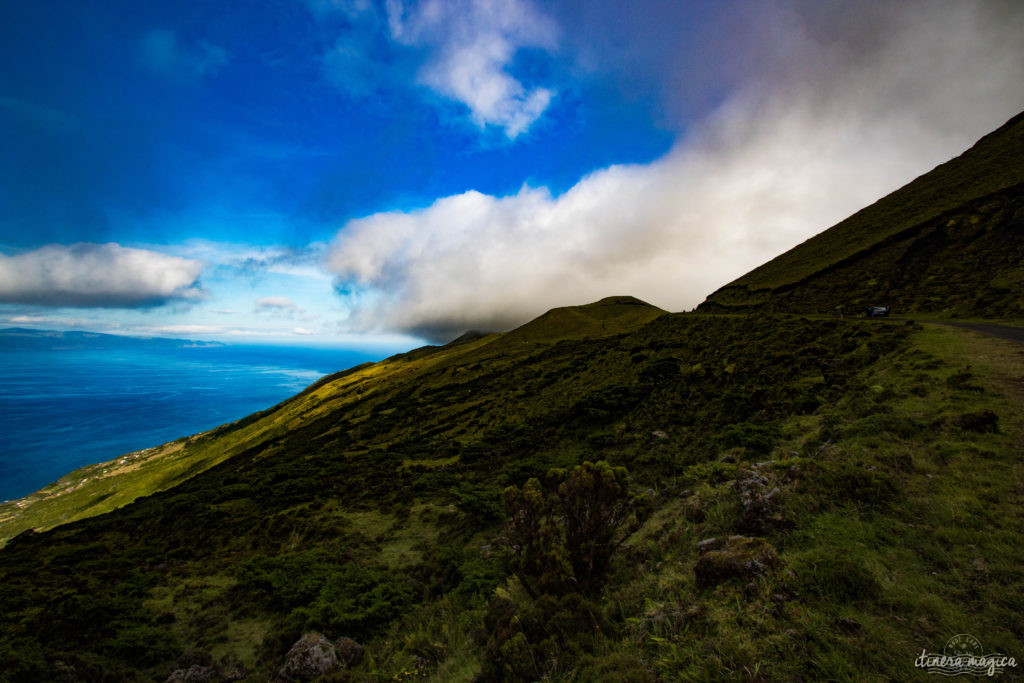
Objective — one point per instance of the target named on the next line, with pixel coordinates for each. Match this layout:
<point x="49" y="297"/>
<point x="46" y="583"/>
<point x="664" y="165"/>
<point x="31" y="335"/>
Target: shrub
<point x="562" y="533"/>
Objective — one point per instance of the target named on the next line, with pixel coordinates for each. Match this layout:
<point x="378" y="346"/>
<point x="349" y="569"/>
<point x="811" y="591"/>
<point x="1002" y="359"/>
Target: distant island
<point x="24" y="339"/>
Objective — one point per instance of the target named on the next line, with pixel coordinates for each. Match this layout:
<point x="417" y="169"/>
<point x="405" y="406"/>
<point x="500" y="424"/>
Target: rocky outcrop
<point x="198" y="666"/>
<point x="759" y="499"/>
<point x="195" y="674"/>
<point x="724" y="558"/>
<point x="313" y="656"/>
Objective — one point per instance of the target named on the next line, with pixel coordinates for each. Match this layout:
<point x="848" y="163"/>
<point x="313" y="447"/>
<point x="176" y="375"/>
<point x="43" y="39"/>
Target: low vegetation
<point x="473" y="516"/>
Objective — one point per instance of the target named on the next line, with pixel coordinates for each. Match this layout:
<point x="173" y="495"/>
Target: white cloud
<point x="275" y="303"/>
<point x="302" y="331"/>
<point x="60" y="322"/>
<point x="164" y="53"/>
<point x="471" y="46"/>
<point x="303" y="262"/>
<point x="792" y="153"/>
<point x="103" y="275"/>
<point x="471" y="67"/>
<point x="179" y="329"/>
<point x="283" y="307"/>
<point x="250" y="333"/>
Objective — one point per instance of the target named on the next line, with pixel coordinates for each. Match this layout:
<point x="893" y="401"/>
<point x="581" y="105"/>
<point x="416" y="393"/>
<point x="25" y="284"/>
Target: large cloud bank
<point x="105" y="275"/>
<point x="827" y="125"/>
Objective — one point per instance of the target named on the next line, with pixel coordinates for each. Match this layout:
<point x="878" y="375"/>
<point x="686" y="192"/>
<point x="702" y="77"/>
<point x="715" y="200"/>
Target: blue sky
<point x="351" y="172"/>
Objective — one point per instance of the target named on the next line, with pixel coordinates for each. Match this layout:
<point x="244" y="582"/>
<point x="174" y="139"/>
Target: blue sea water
<point x="60" y="410"/>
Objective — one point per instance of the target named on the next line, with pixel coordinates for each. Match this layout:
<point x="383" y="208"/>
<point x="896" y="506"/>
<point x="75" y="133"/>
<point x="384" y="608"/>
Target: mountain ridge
<point x="990" y="168"/>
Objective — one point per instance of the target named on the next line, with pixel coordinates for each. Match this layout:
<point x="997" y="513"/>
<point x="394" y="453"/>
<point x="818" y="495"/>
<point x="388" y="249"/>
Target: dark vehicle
<point x="876" y="312"/>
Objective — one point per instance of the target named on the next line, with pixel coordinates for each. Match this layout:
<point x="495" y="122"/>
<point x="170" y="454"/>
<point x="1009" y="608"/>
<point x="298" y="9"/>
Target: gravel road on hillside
<point x="1015" y="334"/>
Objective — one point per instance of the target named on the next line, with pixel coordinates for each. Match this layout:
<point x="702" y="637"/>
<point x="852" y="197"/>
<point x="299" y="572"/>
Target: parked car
<point x="876" y="312"/>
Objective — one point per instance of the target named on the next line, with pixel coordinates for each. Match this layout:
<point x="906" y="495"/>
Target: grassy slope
<point x="374" y="515"/>
<point x="966" y="262"/>
<point x="992" y="165"/>
<point x="903" y="532"/>
<point x="97" y="489"/>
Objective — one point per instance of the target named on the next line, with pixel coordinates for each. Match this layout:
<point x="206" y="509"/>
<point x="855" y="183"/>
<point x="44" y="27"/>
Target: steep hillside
<point x="371" y="506"/>
<point x="97" y="489"/>
<point x="950" y="241"/>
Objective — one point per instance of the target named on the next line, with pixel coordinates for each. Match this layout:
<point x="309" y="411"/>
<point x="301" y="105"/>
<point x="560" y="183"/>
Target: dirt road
<point x="1010" y="332"/>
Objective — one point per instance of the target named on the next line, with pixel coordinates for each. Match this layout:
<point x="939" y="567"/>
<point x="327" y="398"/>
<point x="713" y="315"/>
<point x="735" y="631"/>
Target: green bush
<point x="562" y="533"/>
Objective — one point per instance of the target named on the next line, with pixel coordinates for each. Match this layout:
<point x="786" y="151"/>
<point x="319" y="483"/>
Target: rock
<point x="348" y="651"/>
<point x="749" y="479"/>
<point x="659" y="435"/>
<point x="708" y="544"/>
<point x="732" y="557"/>
<point x="232" y="669"/>
<point x="823" y="447"/>
<point x="758" y="505"/>
<point x="198" y="666"/>
<point x="311" y="656"/>
<point x="195" y="674"/>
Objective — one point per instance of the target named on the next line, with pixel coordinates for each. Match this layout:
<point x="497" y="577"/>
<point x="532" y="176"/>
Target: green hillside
<point x="371" y="506"/>
<point x="608" y="316"/>
<point x="908" y="247"/>
<point x="96" y="489"/>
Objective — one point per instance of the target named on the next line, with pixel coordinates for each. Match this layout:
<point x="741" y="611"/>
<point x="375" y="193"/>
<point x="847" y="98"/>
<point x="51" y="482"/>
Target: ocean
<point x="60" y="410"/>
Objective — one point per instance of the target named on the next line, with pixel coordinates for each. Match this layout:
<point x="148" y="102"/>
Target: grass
<point x="905" y="570"/>
<point x="369" y="506"/>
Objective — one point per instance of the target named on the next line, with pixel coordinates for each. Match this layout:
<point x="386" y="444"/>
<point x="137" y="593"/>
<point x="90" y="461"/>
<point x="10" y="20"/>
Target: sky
<point x="359" y="173"/>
